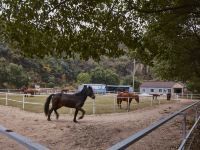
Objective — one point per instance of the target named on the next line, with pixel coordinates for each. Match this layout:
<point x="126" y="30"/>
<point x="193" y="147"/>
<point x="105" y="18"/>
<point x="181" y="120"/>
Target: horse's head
<point x="90" y="92"/>
<point x="23" y="88"/>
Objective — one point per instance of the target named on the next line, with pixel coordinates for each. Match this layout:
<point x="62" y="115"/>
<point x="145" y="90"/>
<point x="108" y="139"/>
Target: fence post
<point x="23" y="100"/>
<point x="196" y="113"/>
<point x="114" y="104"/>
<point x="6" y="99"/>
<point x="191" y="96"/>
<point x="177" y="97"/>
<point x="94" y="107"/>
<point x="151" y="101"/>
<point x="184" y="125"/>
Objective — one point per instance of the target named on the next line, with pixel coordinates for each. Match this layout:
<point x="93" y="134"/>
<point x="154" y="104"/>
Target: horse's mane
<point x="82" y="92"/>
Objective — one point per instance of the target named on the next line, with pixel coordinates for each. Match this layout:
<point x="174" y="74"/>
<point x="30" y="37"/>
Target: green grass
<point x="103" y="104"/>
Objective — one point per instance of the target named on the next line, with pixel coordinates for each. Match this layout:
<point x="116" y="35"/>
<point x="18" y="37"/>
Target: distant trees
<point x="104" y="76"/>
<point x="83" y="78"/>
<point x="51" y="72"/>
<point x="12" y="75"/>
<point x="128" y="80"/>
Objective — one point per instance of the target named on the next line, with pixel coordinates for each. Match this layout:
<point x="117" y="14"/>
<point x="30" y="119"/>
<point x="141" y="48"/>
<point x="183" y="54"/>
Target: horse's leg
<point x="83" y="113"/>
<point x="49" y="114"/>
<point x="75" y="114"/>
<point x="120" y="104"/>
<point x="57" y="114"/>
<point x="129" y="104"/>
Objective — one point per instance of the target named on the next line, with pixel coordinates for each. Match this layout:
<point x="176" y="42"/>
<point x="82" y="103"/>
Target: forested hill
<point x="16" y="71"/>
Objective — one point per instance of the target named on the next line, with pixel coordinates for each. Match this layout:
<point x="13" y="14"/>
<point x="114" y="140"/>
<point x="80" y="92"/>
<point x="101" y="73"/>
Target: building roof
<point x="159" y="84"/>
<point x="118" y="85"/>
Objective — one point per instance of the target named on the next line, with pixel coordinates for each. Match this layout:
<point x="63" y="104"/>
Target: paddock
<point x="96" y="131"/>
<point x="103" y="104"/>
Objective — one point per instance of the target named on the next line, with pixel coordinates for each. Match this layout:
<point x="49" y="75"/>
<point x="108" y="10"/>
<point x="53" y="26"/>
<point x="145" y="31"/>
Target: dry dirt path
<point x="94" y="131"/>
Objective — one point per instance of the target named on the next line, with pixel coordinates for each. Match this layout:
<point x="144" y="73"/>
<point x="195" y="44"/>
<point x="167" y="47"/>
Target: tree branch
<point x="150" y="11"/>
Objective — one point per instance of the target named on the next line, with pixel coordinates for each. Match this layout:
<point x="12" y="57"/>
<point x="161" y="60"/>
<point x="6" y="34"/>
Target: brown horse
<point x="155" y="96"/>
<point x="26" y="90"/>
<point x="125" y="96"/>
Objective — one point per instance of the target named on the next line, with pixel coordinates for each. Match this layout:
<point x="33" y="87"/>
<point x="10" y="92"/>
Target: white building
<point x="161" y="87"/>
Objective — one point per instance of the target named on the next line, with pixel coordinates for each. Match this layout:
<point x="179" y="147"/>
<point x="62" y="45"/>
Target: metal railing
<point x="137" y="136"/>
<point x="22" y="139"/>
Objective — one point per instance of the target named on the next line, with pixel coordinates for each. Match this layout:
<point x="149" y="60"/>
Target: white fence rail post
<point x="6" y="99"/>
<point x="94" y="107"/>
<point x="23" y="100"/>
<point x="114" y="104"/>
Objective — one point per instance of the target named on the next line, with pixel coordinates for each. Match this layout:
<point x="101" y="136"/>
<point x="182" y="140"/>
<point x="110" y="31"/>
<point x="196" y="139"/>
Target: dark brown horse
<point x="76" y="101"/>
<point x="155" y="96"/>
<point x="125" y="96"/>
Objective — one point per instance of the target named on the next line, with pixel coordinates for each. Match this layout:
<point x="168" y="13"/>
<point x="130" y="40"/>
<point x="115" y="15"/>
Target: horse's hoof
<point x="75" y="121"/>
<point x="81" y="117"/>
<point x="49" y="119"/>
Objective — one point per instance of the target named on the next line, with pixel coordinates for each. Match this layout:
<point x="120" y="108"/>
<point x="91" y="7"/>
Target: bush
<point x="83" y="78"/>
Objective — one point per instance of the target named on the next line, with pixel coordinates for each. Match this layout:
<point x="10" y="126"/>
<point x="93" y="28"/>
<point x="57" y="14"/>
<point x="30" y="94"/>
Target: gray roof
<point x="158" y="84"/>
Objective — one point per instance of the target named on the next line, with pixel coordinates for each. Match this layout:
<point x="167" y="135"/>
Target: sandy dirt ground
<point x="93" y="131"/>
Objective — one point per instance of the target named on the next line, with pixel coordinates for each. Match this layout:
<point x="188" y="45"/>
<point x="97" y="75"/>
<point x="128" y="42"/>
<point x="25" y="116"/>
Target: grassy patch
<point x="102" y="103"/>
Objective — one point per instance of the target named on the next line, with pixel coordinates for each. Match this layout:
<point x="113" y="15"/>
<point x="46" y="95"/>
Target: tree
<point x="12" y="75"/>
<point x="171" y="42"/>
<point x="90" y="28"/>
<point x="155" y="31"/>
<point x="83" y="78"/>
<point x="104" y="76"/>
<point x="128" y="80"/>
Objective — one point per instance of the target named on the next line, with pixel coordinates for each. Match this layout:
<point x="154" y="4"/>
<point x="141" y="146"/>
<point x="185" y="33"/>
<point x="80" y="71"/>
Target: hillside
<point x="17" y="70"/>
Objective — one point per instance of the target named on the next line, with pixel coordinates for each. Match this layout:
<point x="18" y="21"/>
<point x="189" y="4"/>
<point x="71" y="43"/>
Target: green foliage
<point x="104" y="76"/>
<point x="51" y="85"/>
<point x="171" y="40"/>
<point x="164" y="34"/>
<point x="128" y="80"/>
<point x="194" y="85"/>
<point x="12" y="75"/>
<point x="64" y="28"/>
<point x="83" y="78"/>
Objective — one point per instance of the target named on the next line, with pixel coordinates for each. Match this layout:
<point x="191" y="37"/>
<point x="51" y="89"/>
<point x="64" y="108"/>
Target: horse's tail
<point x="46" y="105"/>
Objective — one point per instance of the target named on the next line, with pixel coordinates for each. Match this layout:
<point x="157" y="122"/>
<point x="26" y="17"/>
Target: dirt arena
<point x="93" y="131"/>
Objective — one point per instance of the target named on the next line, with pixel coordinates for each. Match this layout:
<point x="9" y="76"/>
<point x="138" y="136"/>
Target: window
<point x="143" y="90"/>
<point x="169" y="90"/>
<point x="164" y="91"/>
<point x="160" y="90"/>
<point x="152" y="90"/>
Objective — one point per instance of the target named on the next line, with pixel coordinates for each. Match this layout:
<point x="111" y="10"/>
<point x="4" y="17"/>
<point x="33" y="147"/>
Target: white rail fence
<point x="10" y="97"/>
<point x="94" y="105"/>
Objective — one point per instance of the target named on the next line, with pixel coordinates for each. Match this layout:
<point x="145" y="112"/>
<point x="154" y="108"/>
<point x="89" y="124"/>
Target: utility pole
<point x="133" y="74"/>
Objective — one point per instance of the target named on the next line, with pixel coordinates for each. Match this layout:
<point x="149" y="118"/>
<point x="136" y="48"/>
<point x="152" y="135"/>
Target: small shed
<point x="97" y="88"/>
<point x="162" y="87"/>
